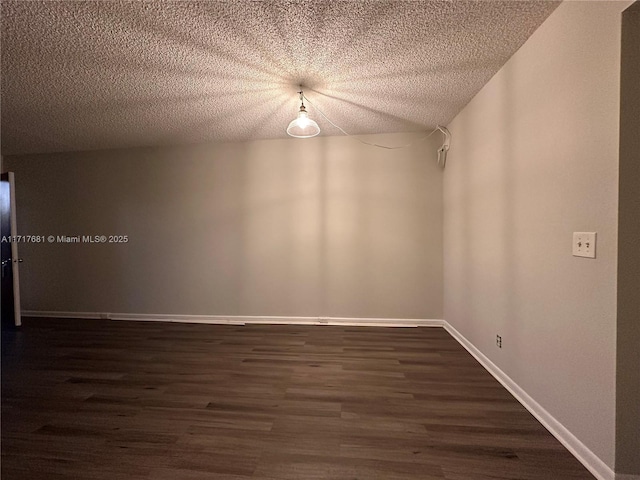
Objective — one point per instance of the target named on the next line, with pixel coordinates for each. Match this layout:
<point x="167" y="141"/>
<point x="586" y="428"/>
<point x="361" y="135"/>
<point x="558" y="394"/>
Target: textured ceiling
<point x="106" y="74"/>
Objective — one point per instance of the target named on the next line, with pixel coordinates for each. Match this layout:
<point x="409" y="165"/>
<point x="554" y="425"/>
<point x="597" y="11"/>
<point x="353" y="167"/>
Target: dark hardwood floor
<point x="99" y="399"/>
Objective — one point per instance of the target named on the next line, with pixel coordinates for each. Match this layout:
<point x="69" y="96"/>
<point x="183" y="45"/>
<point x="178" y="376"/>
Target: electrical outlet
<point x="498" y="341"/>
<point x="584" y="244"/>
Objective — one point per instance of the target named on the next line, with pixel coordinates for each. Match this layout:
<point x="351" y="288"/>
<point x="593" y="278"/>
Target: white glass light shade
<point x="303" y="126"/>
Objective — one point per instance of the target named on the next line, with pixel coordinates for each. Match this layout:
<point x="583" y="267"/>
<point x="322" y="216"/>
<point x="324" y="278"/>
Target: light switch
<point x="584" y="244"/>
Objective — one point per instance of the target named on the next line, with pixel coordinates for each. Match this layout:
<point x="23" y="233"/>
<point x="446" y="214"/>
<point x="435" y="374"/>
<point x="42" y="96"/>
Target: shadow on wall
<point x="628" y="324"/>
<point x="320" y="227"/>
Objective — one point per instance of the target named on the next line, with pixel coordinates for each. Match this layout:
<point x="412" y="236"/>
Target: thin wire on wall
<point x="442" y="151"/>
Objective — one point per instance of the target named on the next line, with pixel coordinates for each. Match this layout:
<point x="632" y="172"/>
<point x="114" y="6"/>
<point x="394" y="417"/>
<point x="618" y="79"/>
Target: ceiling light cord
<point x="442" y="151"/>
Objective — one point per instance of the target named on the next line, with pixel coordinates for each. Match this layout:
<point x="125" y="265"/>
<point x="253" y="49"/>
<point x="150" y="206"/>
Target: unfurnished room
<point x="320" y="240"/>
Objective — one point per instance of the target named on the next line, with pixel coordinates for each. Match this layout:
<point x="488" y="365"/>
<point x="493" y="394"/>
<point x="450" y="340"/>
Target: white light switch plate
<point x="584" y="244"/>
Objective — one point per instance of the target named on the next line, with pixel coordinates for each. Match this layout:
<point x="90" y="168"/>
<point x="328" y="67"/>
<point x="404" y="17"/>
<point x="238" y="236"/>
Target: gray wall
<point x="535" y="158"/>
<point x="628" y="351"/>
<point x="317" y="227"/>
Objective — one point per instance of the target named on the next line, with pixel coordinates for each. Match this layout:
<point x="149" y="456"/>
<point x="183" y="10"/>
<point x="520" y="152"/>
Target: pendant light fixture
<point x="303" y="126"/>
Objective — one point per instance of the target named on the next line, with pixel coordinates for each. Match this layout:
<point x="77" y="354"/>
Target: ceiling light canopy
<point x="303" y="126"/>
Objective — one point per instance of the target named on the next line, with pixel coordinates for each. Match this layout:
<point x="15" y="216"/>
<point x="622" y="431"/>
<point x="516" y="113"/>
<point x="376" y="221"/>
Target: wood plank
<point x="94" y="399"/>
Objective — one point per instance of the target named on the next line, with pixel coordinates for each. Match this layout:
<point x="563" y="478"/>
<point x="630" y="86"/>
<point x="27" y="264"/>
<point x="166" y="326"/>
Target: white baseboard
<point x="579" y="450"/>
<point x="243" y="320"/>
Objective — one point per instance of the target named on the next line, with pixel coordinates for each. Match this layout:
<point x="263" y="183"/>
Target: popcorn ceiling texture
<point x="108" y="74"/>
